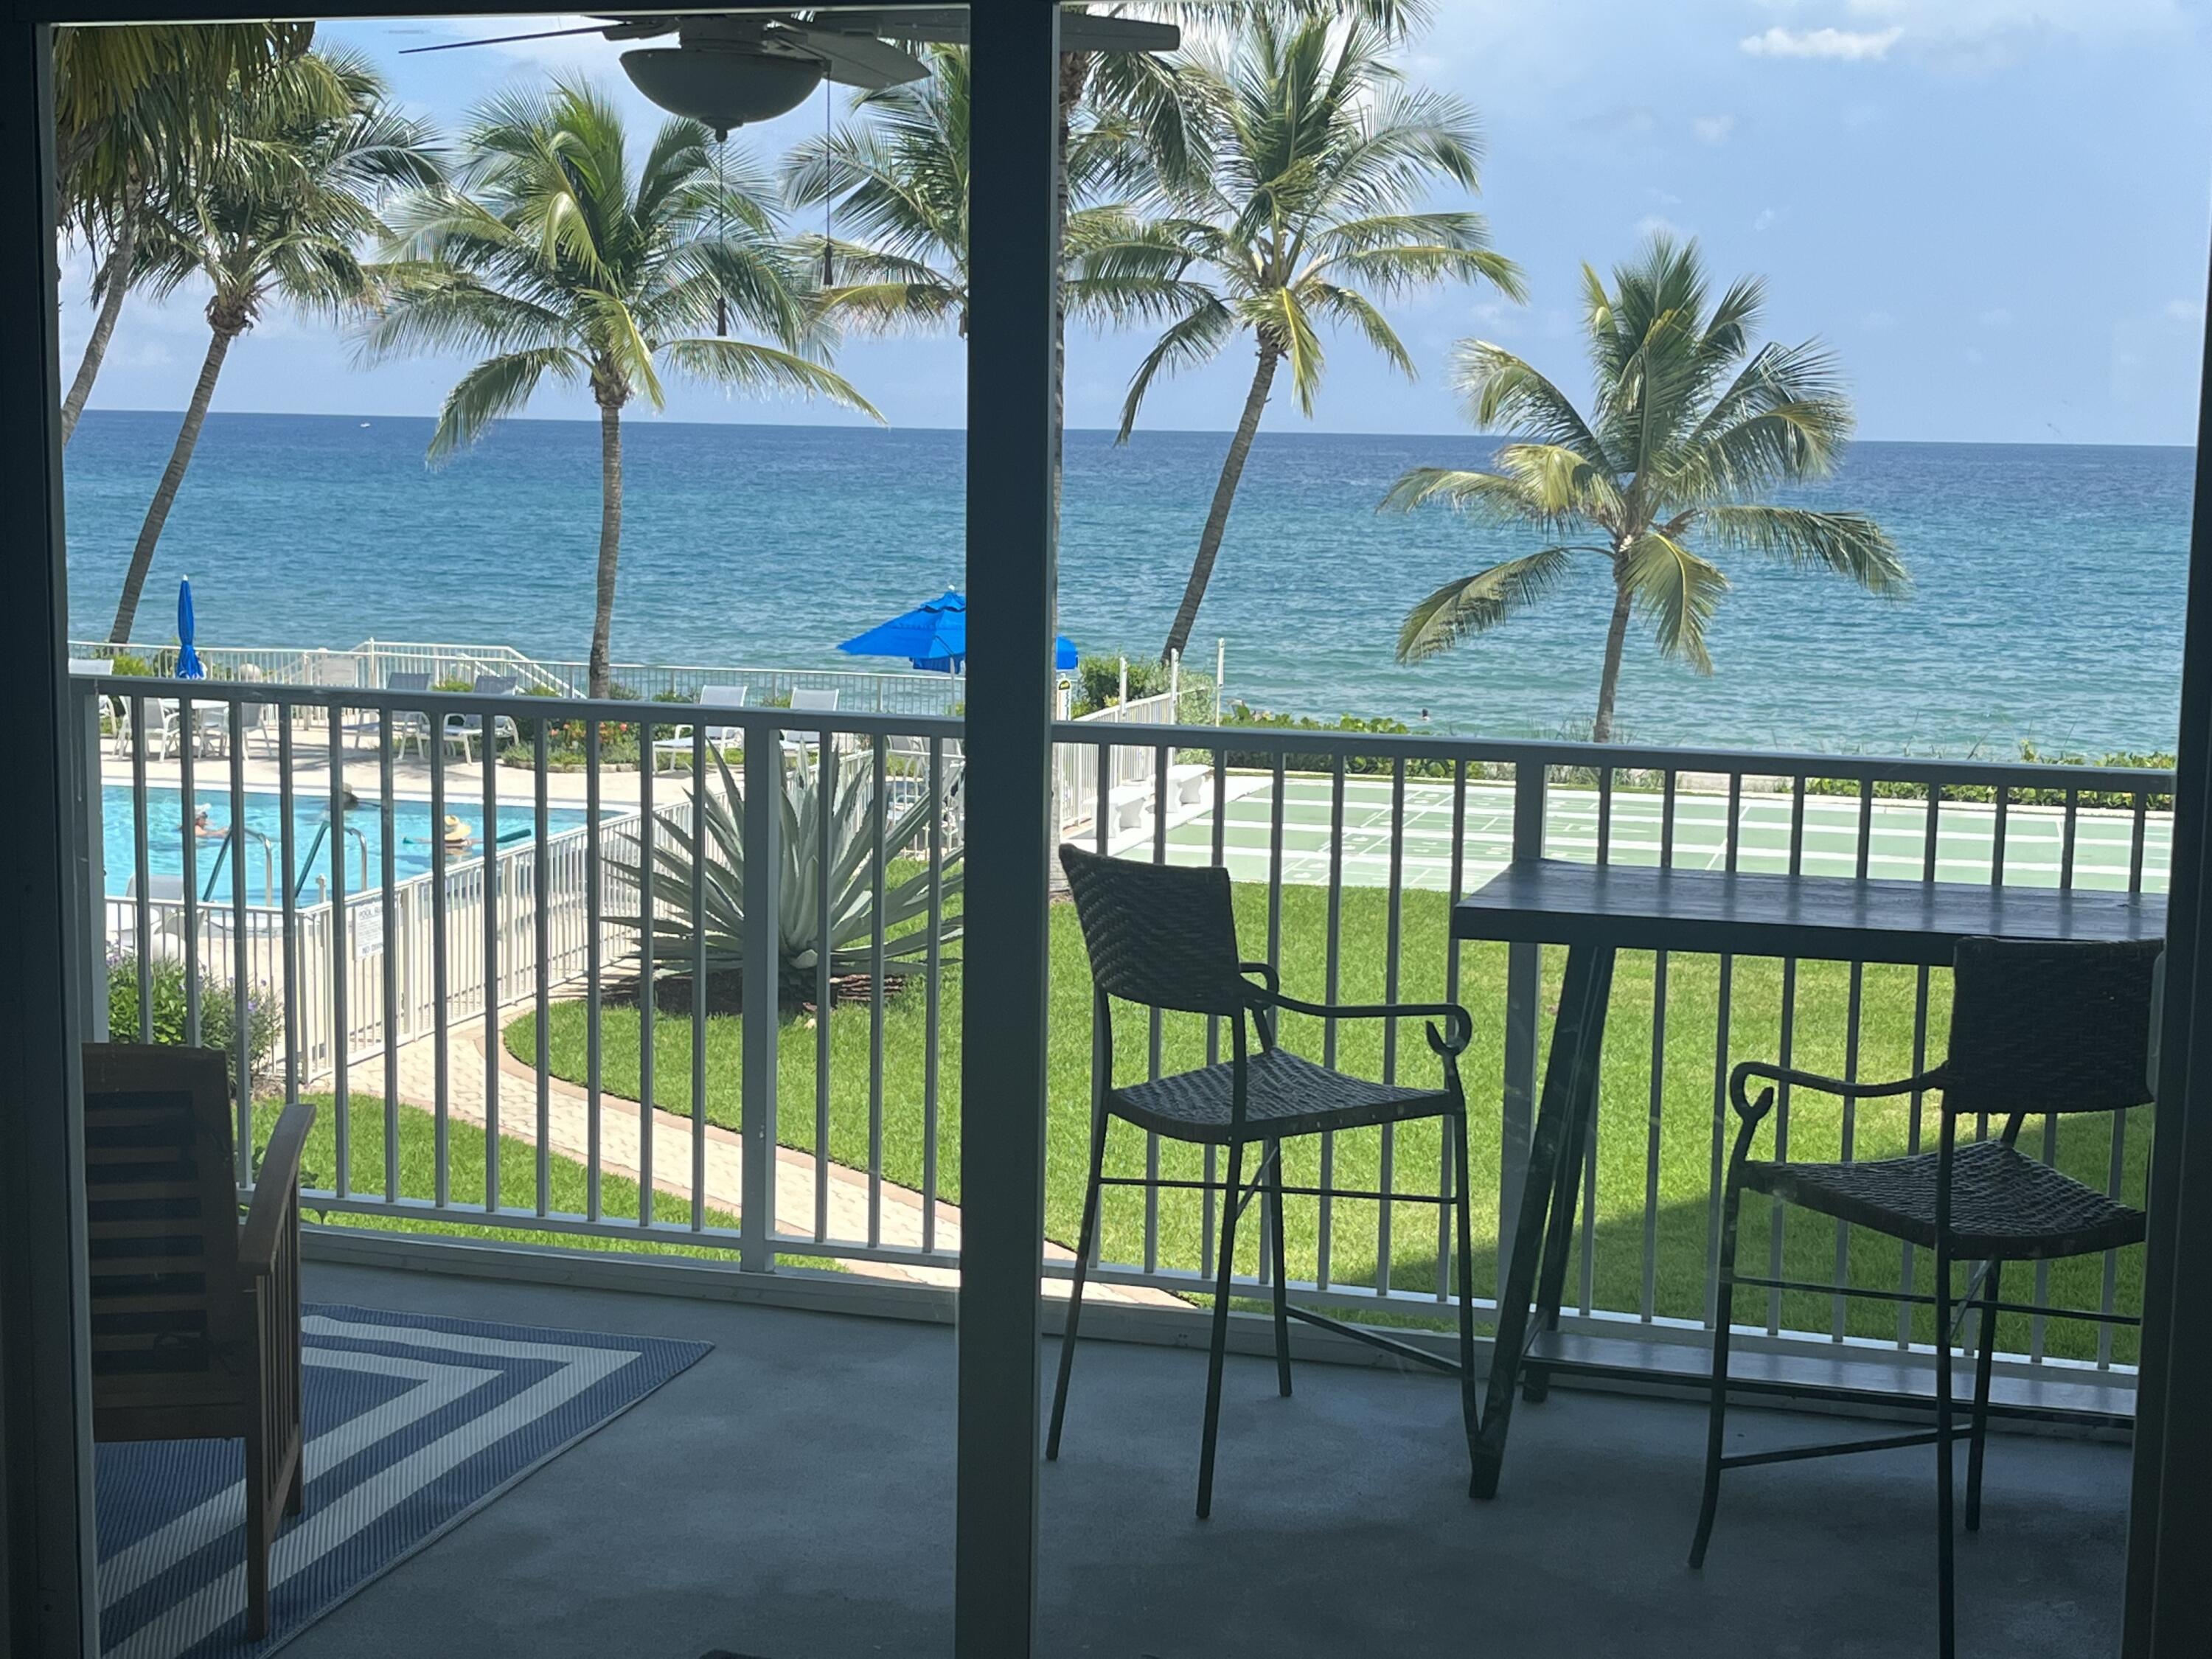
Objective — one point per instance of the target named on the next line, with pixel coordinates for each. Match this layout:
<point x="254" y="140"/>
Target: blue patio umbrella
<point x="189" y="666"/>
<point x="934" y="637"/>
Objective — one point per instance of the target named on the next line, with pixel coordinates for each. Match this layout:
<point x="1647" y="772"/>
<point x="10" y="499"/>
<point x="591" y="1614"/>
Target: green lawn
<point x="1685" y="1127"/>
<point x="566" y="1186"/>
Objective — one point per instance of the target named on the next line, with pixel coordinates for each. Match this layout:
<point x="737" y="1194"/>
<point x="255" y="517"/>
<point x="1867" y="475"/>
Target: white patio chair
<point x="409" y="725"/>
<point x="466" y="729"/>
<point x="807" y="699"/>
<point x="719" y="738"/>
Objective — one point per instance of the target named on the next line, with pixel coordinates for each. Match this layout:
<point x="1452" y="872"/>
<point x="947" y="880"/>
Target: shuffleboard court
<point x="2111" y="849"/>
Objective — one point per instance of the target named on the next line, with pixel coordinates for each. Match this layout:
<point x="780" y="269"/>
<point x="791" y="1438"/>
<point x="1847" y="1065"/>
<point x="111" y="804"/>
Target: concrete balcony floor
<point x="791" y="1497"/>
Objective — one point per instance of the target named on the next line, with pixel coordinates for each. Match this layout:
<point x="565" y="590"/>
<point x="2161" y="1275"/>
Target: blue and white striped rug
<point x="412" y="1423"/>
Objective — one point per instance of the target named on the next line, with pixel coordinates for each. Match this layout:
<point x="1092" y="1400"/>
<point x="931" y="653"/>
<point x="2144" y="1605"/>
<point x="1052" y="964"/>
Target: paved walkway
<point x="622" y="1153"/>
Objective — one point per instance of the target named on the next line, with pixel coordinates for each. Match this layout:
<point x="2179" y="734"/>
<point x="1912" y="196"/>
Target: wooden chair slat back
<point x="162" y="1213"/>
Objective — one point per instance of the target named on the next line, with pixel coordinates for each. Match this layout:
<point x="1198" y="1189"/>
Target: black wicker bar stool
<point x="2036" y="1029"/>
<point x="1164" y="936"/>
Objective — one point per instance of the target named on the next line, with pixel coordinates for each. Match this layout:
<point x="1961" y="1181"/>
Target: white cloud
<point x="1765" y="219"/>
<point x="1652" y="224"/>
<point x="1713" y="129"/>
<point x="1846" y="45"/>
<point x="1878" y="322"/>
<point x="1997" y="317"/>
<point x="2185" y="311"/>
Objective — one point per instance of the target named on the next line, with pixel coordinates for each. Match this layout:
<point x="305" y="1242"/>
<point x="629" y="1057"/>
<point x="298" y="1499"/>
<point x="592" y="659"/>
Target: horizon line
<point x="1306" y="431"/>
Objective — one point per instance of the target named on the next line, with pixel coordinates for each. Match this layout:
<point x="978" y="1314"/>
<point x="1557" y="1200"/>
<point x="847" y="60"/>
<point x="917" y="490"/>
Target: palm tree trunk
<point x="611" y="499"/>
<point x="172" y="478"/>
<point x="1224" y="496"/>
<point x="1609" y="683"/>
<point x="114" y="283"/>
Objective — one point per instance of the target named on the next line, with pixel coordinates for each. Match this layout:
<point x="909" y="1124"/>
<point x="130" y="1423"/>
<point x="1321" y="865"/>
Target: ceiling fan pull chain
<point x="828" y="194"/>
<point x="721" y="235"/>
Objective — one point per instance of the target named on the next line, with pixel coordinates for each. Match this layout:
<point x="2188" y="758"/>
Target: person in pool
<point x="457" y="835"/>
<point x="204" y="829"/>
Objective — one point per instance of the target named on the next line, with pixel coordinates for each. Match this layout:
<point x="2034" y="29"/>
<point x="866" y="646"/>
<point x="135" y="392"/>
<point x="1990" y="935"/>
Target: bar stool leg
<point x="1083" y="1247"/>
<point x="1274" y="1160"/>
<point x="1716" y="1418"/>
<point x="1978" y="1428"/>
<point x="1227" y="1267"/>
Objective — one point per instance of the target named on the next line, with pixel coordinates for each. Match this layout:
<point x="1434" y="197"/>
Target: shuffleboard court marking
<point x="1896" y="834"/>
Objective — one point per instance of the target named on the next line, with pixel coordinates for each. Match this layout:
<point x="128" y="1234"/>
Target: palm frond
<point x="1676" y="591"/>
<point x="745" y="366"/>
<point x="495" y="388"/>
<point x="1848" y="545"/>
<point x="1475" y="603"/>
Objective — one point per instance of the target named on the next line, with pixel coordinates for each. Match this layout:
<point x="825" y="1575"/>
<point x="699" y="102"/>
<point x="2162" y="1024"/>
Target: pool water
<point x="363" y="833"/>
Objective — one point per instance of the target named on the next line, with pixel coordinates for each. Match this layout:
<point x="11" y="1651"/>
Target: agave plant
<point x="843" y="792"/>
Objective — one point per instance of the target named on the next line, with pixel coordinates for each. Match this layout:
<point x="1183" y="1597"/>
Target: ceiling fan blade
<point x="851" y="59"/>
<point x="1090" y="30"/>
<point x="941" y="26"/>
<point x="503" y="39"/>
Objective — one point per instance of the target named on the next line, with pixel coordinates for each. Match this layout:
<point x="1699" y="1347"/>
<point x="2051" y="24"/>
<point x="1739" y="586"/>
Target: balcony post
<point x="763" y="824"/>
<point x="1013" y="448"/>
<point x="1524" y="974"/>
<point x="47" y="1594"/>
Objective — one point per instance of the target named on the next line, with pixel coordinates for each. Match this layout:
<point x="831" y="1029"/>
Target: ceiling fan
<point x="727" y="69"/>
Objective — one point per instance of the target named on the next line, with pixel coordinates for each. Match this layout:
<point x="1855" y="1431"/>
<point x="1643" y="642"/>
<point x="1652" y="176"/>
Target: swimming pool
<point x="363" y="834"/>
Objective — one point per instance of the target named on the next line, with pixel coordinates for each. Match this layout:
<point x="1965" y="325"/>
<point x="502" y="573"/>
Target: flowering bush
<point x="218" y="1015"/>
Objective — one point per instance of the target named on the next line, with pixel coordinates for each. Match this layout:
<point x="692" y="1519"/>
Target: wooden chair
<point x="195" y="1315"/>
<point x="2037" y="1030"/>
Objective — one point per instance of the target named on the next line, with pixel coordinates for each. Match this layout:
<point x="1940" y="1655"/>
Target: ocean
<point x="2046" y="607"/>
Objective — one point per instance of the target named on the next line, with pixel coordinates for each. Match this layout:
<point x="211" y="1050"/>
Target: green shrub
<point x="1098" y="685"/>
<point x="127" y="663"/>
<point x="2124" y="801"/>
<point x="218" y="1015"/>
<point x="1243" y="714"/>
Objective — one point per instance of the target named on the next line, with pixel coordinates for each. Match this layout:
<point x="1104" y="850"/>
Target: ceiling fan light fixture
<point x="721" y="90"/>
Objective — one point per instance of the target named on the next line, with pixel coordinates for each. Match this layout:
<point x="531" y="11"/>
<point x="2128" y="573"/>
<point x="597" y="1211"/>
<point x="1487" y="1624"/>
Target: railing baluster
<point x="931" y="1009"/>
<point x="1648" y="1295"/>
<point x="387" y="826"/>
<point x="441" y="975"/>
<point x="188" y="733"/>
<point x="1930" y="854"/>
<point x="1838" y="1306"/>
<point x="594" y="854"/>
<point x="341" y="1025"/>
<point x="541" y="878"/>
<point x="1153" y="1046"/>
<point x="241" y="972"/>
<point x="1731" y="838"/>
<point x="1395" y="932"/>
<point x="1784" y="1050"/>
<point x="828" y="777"/>
<point x="1213" y="1021"/>
<point x="142" y="919"/>
<point x="879" y="785"/>
<point x="697" y="919"/>
<point x="1446" y="1173"/>
<point x="1325" y="1229"/>
<point x="648" y="957"/>
<point x="488" y="862"/>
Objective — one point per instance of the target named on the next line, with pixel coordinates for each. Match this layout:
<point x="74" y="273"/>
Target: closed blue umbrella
<point x="189" y="665"/>
<point x="934" y="637"/>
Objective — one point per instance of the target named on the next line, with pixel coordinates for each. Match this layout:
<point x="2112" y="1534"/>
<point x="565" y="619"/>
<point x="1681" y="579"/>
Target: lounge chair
<point x="807" y="699"/>
<point x="719" y="738"/>
<point x="466" y="729"/>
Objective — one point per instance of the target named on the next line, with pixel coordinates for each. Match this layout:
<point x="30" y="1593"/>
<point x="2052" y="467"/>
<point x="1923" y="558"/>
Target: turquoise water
<point x="2047" y="603"/>
<point x="265" y="822"/>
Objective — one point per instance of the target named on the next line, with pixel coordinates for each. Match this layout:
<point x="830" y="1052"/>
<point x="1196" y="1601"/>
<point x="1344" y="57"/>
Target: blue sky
<point x="1994" y="210"/>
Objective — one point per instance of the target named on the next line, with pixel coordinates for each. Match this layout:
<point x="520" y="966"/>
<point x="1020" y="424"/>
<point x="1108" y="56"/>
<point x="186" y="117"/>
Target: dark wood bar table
<point x="1596" y="911"/>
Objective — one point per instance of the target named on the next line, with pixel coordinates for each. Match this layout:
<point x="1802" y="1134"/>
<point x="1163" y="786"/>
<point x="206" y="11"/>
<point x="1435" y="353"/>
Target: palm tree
<point x="281" y="213"/>
<point x="551" y="253"/>
<point x="138" y="110"/>
<point x="1691" y="428"/>
<point x="1320" y="157"/>
<point x="898" y="181"/>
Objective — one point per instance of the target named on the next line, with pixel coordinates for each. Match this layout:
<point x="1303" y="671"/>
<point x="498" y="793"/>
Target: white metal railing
<point x="1346" y="851"/>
